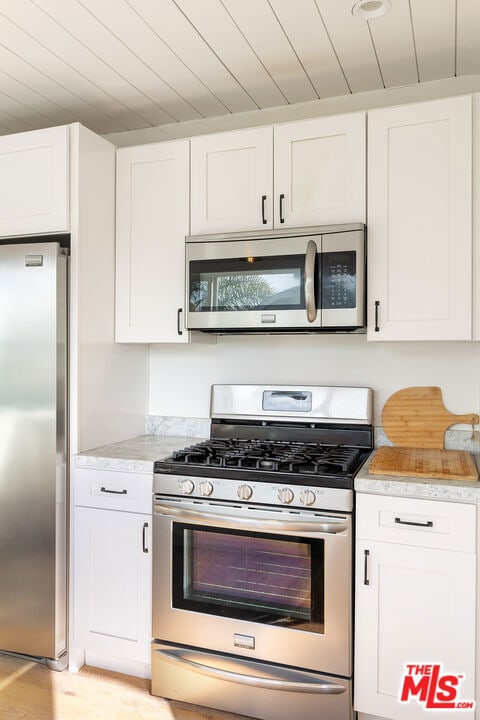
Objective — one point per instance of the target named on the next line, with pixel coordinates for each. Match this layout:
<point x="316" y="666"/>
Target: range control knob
<point x="307" y="497"/>
<point x="244" y="492"/>
<point x="187" y="487"/>
<point x="285" y="495"/>
<point x="206" y="488"/>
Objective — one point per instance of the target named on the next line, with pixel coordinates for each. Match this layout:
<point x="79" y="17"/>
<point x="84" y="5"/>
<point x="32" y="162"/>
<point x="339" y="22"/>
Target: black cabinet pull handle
<point x="264" y="219"/>
<point x="366" y="554"/>
<point x="179" y="324"/>
<point x="377" y="303"/>
<point x="429" y="523"/>
<point x="144" y="538"/>
<point x="282" y="198"/>
<point x="113" y="492"/>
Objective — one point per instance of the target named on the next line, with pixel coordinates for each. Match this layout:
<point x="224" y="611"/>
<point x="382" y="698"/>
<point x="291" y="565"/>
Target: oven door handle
<point x="264" y="525"/>
<point x="274" y="680"/>
<point x="310" y="257"/>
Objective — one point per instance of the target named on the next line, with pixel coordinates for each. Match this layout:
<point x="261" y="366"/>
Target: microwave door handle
<point x="310" y="304"/>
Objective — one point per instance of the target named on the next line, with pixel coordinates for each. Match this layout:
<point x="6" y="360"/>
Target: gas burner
<point x="272" y="456"/>
<point x="267" y="464"/>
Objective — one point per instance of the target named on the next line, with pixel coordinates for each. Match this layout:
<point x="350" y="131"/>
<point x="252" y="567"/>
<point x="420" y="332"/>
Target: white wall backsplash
<point x="180" y="376"/>
<point x="177" y="426"/>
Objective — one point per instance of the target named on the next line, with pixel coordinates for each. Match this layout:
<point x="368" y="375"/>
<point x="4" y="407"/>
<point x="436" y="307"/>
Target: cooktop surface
<point x="261" y="460"/>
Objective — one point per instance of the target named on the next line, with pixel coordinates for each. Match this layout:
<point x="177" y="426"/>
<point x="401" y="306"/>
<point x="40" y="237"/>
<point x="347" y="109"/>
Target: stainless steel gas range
<point x="252" y="554"/>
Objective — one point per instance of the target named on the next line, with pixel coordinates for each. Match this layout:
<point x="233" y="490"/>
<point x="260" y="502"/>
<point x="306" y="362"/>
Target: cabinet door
<point x="112" y="583"/>
<point x="34" y="182"/>
<point x="320" y="172"/>
<point x="419" y="221"/>
<point x="152" y="222"/>
<point x="232" y="181"/>
<point x="418" y="608"/>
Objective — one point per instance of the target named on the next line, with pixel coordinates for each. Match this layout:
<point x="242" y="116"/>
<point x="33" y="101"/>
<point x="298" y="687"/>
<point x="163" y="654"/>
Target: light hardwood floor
<point x="29" y="691"/>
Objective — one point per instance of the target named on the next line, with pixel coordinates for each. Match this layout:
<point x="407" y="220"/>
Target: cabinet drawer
<point x="425" y="523"/>
<point x="112" y="490"/>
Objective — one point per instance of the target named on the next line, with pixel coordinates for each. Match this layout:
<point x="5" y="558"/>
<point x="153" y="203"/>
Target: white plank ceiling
<point x="118" y="65"/>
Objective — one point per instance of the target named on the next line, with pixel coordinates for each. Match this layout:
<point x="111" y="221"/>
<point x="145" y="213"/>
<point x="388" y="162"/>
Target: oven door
<point x="272" y="585"/>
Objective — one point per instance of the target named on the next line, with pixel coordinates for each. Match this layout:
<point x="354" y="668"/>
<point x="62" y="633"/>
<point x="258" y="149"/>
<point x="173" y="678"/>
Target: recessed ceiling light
<point x="371" y="9"/>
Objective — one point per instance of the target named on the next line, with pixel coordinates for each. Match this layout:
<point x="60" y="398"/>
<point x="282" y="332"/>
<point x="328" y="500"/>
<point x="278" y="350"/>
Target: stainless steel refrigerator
<point x="33" y="450"/>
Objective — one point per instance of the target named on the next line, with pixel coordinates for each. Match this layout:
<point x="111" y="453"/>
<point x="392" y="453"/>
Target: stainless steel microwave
<point x="292" y="280"/>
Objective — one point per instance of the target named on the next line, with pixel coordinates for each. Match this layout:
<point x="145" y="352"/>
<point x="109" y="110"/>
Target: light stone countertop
<point x="139" y="453"/>
<point x="134" y="455"/>
<point x="428" y="488"/>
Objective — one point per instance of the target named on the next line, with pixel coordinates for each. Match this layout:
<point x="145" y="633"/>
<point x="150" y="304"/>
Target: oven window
<point x="264" y="578"/>
<point x="247" y="283"/>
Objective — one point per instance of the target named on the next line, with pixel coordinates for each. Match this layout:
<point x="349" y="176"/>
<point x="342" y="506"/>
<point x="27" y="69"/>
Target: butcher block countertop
<point x="416" y="487"/>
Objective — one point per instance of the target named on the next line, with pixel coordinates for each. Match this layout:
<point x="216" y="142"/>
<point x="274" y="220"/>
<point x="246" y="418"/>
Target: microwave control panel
<point x="339" y="279"/>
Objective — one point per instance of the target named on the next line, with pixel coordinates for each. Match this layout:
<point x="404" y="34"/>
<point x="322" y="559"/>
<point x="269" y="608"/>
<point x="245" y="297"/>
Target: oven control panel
<point x="265" y="493"/>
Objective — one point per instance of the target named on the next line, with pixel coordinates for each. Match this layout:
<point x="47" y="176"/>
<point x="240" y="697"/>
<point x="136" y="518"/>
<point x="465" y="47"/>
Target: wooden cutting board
<point x="424" y="462"/>
<point x="416" y="417"/>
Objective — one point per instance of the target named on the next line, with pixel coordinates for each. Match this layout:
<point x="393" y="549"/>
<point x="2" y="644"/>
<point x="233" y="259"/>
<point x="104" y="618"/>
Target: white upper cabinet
<point x="34" y="171"/>
<point x="152" y="222"/>
<point x="420" y="221"/>
<point x="232" y="181"/>
<point x="296" y="174"/>
<point x="320" y="172"/>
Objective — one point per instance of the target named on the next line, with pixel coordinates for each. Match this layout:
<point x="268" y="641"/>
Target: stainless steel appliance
<point x="295" y="280"/>
<point x="33" y="404"/>
<point x="252" y="554"/>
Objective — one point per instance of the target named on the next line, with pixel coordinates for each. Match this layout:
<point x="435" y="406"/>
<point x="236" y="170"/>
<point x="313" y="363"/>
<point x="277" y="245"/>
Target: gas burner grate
<point x="271" y="456"/>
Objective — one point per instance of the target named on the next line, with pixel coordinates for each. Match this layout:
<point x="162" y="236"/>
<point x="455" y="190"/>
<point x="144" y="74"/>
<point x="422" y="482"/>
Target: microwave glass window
<point x="338" y="280"/>
<point x="249" y="576"/>
<point x="247" y="283"/>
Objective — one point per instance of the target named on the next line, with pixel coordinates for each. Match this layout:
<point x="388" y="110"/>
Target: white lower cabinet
<point x="112" y="583"/>
<point x="415" y="606"/>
